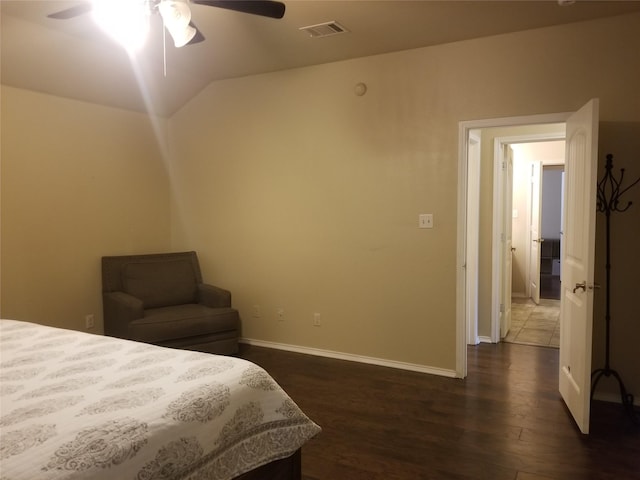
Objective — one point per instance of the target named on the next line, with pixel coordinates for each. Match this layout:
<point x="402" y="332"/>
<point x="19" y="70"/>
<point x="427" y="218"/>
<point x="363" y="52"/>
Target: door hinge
<point x="502" y="308"/>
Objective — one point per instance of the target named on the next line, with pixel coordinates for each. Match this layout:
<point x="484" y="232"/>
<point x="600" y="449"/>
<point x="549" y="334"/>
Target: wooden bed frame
<point x="289" y="468"/>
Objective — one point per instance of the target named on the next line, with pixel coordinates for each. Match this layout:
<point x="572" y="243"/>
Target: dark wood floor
<point x="505" y="421"/>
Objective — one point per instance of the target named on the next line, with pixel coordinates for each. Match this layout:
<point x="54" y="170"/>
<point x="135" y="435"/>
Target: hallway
<point x="533" y="324"/>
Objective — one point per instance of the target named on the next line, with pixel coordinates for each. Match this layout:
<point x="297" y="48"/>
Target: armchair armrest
<point x="212" y="296"/>
<point x="120" y="308"/>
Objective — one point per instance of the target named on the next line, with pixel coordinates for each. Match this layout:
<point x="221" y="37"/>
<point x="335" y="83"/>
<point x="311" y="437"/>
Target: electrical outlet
<point x="256" y="311"/>
<point x="316" y="320"/>
<point x="89" y="321"/>
<point x="280" y="314"/>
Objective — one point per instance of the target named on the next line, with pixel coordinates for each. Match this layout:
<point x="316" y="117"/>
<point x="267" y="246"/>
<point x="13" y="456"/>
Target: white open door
<point x="576" y="302"/>
<point x="507" y="235"/>
<point x="535" y="228"/>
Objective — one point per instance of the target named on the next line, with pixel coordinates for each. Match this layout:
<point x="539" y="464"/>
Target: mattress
<point x="75" y="405"/>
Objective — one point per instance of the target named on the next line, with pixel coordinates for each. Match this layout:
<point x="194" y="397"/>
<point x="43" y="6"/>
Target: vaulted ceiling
<point x="73" y="58"/>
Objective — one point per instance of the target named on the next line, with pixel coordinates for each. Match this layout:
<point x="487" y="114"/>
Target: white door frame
<point x="462" y="296"/>
<point x="473" y="234"/>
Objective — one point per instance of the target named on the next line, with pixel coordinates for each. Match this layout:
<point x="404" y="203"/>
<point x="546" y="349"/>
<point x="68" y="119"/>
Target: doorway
<point x="552" y="200"/>
<point x="489" y="188"/>
<point x="535" y="292"/>
<point x="529" y="128"/>
<point x="578" y="252"/>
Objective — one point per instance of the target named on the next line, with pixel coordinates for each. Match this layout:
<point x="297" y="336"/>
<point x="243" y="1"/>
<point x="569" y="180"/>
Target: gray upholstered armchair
<point x="160" y="299"/>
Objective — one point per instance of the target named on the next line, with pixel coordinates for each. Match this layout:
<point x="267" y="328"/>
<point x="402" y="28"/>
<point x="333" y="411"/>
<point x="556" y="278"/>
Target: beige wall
<point x="301" y="195"/>
<point x="78" y="181"/>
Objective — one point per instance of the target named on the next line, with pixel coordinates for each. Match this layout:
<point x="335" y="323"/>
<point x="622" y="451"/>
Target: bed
<point x="75" y="405"/>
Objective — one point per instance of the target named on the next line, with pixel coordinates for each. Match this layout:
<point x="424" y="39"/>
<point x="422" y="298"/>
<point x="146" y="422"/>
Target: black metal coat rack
<point x="610" y="191"/>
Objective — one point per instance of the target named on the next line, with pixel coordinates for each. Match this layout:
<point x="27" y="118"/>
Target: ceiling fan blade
<point x="264" y="8"/>
<point x="198" y="37"/>
<point x="74" y="11"/>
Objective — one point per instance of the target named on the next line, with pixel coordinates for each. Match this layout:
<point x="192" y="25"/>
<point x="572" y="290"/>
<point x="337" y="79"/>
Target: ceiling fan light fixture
<point x="176" y="16"/>
<point x="125" y="21"/>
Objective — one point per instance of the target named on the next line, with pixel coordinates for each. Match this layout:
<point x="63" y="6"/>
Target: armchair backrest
<point x="159" y="280"/>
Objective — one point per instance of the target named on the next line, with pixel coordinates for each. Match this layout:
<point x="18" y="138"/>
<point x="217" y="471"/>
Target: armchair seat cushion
<point x="182" y="321"/>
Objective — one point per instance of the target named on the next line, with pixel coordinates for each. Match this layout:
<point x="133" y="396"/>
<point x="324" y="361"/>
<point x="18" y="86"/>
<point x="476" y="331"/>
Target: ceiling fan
<point x="176" y="14"/>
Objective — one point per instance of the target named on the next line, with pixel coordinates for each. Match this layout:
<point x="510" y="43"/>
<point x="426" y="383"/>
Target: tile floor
<point x="533" y="324"/>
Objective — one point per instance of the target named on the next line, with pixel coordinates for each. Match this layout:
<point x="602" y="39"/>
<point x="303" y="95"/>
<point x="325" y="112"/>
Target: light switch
<point x="425" y="220"/>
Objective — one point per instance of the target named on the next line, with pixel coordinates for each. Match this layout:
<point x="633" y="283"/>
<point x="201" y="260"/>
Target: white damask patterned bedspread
<point x="79" y="406"/>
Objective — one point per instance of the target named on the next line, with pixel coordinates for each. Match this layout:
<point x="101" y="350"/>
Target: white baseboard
<point x="351" y="357"/>
<point x="485" y="339"/>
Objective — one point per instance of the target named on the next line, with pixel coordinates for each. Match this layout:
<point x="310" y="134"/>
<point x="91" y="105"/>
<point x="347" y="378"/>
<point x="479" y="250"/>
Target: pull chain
<point x="164" y="48"/>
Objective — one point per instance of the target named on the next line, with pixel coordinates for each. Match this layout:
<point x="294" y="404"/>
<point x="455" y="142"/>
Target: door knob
<point x="582" y="285"/>
<point x="538" y="240"/>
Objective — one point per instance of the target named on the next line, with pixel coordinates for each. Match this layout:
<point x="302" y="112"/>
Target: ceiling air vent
<point x="324" y="29"/>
